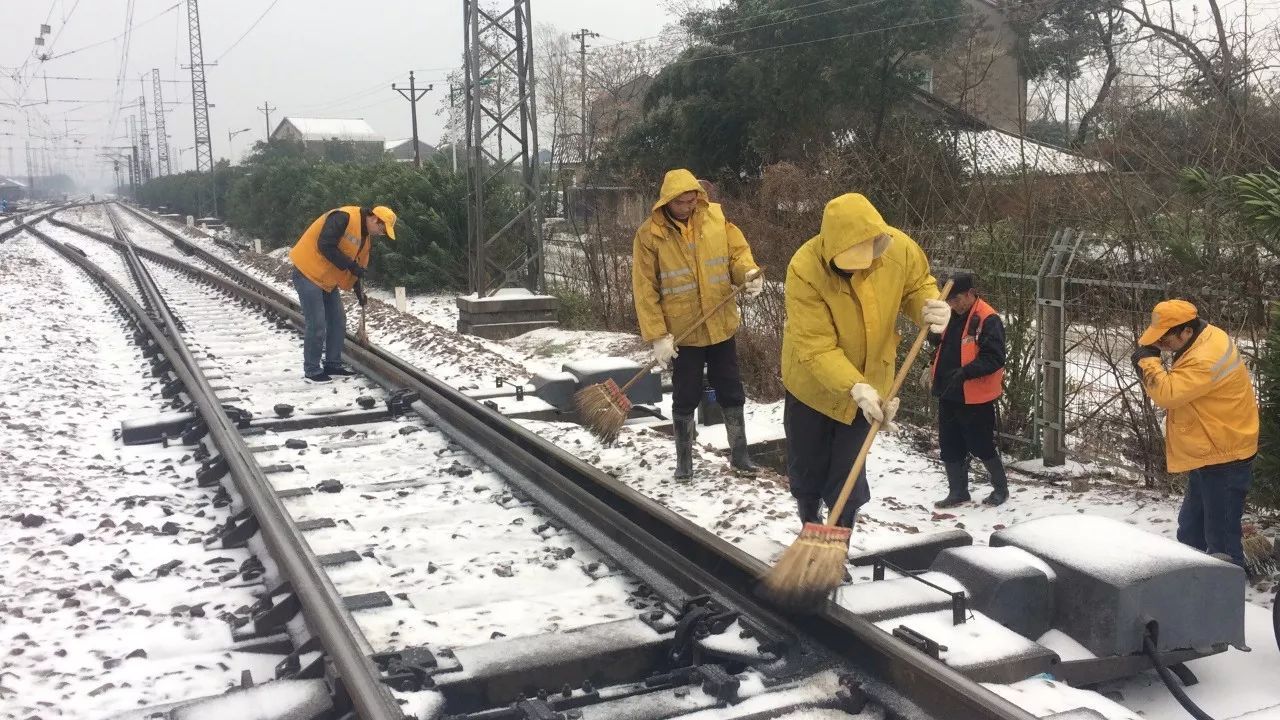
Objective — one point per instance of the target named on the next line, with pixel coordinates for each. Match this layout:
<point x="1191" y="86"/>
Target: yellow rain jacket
<point x="1212" y="414"/>
<point x="842" y="331"/>
<point x="681" y="270"/>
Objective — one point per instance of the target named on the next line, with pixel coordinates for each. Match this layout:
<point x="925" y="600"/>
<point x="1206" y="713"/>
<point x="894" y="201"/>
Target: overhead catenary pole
<point x="200" y="107"/>
<point x="144" y="136"/>
<point x="266" y="110"/>
<point x="581" y="36"/>
<point x="31" y="178"/>
<point x="413" y="95"/>
<point x="162" y="138"/>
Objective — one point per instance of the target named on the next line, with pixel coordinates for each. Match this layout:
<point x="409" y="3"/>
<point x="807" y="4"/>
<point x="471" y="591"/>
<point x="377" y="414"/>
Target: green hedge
<point x="279" y="191"/>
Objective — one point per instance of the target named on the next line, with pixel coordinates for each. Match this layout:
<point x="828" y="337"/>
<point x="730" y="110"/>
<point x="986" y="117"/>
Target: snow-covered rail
<point x="485" y="572"/>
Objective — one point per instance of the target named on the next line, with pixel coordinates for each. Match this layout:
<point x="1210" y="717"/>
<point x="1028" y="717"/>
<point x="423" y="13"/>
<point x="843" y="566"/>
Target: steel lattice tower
<point x="162" y="139"/>
<point x="144" y="138"/>
<point x="499" y="55"/>
<point x="199" y="98"/>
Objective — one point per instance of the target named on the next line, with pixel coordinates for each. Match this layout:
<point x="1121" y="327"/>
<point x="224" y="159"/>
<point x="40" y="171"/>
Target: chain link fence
<point x="1073" y="305"/>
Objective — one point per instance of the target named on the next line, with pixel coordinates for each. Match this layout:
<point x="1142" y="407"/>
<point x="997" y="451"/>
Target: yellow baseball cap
<point x="1166" y="316"/>
<point x="388" y="216"/>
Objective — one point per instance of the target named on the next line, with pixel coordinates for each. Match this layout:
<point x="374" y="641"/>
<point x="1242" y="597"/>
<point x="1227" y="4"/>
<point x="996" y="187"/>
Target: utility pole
<point x="581" y="36"/>
<point x="413" y="95"/>
<point x="266" y="110"/>
<point x="162" y="138"/>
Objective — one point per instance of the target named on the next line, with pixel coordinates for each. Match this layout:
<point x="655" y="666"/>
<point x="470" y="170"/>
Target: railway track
<point x="427" y="556"/>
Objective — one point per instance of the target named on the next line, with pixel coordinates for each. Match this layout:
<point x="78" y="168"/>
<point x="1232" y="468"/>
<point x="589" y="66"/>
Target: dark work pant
<point x="326" y="324"/>
<point x="965" y="430"/>
<point x="721" y="364"/>
<point x="1211" y="510"/>
<point x="820" y="454"/>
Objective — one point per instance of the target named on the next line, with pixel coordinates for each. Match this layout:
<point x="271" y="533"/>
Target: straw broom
<point x="604" y="407"/>
<point x="814" y="564"/>
<point x="1257" y="551"/>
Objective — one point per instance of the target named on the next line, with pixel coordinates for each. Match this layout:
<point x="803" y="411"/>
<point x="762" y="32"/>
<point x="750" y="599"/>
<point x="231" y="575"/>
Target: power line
<point x="246" y="32"/>
<point x="127" y="31"/>
<point x="97" y="79"/>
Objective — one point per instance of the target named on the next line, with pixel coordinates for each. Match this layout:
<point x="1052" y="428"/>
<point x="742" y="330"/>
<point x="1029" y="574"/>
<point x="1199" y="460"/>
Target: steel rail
<point x="322" y="605"/>
<point x="698" y="560"/>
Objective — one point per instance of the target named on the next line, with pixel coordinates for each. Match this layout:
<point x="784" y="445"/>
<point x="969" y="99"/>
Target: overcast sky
<point x="311" y="58"/>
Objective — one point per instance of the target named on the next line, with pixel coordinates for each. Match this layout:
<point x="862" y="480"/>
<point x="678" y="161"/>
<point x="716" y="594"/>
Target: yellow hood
<point x="676" y="183"/>
<point x="847" y="221"/>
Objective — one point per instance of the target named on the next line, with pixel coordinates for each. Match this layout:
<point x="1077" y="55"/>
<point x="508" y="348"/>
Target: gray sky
<point x="311" y="58"/>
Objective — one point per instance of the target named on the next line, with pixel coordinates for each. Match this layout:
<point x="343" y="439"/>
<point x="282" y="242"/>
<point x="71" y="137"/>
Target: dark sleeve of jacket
<point x="335" y="226"/>
<point x="990" y="350"/>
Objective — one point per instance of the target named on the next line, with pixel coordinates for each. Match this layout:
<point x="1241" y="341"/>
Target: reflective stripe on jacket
<point x="1212" y="413"/>
<point x="681" y="270"/>
<point x="306" y="255"/>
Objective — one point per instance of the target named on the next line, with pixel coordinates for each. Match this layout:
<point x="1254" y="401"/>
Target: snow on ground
<point x="758" y="515"/>
<point x="109" y="600"/>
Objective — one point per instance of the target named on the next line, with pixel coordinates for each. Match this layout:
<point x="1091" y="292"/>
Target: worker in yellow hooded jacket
<point x="845" y="288"/>
<point x="686" y="258"/>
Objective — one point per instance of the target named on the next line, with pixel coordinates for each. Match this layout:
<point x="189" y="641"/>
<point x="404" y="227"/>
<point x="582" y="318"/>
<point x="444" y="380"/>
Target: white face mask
<point x="860" y="256"/>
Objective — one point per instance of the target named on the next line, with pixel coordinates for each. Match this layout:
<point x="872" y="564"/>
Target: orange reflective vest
<point x="988" y="387"/>
<point x="306" y="255"/>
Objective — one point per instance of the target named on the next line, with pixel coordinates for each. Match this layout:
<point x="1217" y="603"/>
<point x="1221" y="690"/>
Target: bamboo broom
<point x="604" y="407"/>
<point x="813" y="566"/>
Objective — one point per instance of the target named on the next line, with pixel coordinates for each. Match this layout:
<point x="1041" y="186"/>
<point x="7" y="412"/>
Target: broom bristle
<point x="1258" y="553"/>
<point x="602" y="409"/>
<point x="810" y="569"/>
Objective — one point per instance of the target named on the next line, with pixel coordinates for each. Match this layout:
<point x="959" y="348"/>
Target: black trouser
<point x="721" y="363"/>
<point x="820" y="454"/>
<point x="965" y="430"/>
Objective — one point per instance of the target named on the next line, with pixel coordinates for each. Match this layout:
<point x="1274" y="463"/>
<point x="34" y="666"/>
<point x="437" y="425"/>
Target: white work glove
<point x="873" y="408"/>
<point x="936" y="314"/>
<point x="890" y="412"/>
<point x="753" y="287"/>
<point x="664" y="348"/>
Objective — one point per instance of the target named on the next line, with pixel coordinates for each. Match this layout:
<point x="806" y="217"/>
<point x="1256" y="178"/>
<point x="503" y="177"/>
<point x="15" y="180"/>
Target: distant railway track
<point x="421" y="541"/>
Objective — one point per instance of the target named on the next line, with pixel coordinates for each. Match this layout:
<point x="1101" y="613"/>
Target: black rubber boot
<point x="810" y="509"/>
<point x="957" y="483"/>
<point x="735" y="427"/>
<point x="686" y="431"/>
<point x="1000" y="483"/>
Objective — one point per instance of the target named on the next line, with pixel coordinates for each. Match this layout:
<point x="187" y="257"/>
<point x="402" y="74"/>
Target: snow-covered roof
<point x="10" y="182"/>
<point x="995" y="152"/>
<point x="319" y="129"/>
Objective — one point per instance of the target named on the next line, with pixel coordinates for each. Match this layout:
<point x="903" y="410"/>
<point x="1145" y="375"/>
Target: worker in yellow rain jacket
<point x="329" y="257"/>
<point x="688" y="257"/>
<point x="1211" y="422"/>
<point x="845" y="288"/>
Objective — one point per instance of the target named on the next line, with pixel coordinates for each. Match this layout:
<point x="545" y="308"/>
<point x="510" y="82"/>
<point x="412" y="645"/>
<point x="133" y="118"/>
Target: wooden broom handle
<point x="751" y="275"/>
<point x="898" y="379"/>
